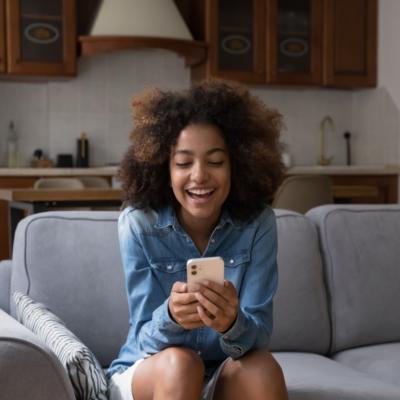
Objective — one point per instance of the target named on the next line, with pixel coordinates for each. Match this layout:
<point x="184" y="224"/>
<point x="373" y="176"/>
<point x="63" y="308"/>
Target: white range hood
<point x="128" y="24"/>
<point x="149" y="18"/>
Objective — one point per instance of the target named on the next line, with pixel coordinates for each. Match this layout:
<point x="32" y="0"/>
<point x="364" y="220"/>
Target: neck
<point x="198" y="229"/>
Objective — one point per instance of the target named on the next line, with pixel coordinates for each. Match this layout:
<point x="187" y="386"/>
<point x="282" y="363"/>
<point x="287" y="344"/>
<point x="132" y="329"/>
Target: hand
<point x="182" y="306"/>
<point x="218" y="305"/>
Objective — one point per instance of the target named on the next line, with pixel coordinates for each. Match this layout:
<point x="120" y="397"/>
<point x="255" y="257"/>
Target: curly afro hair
<point x="250" y="129"/>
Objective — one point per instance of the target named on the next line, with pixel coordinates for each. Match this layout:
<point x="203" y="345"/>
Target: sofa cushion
<point x="314" y="377"/>
<point x="301" y="321"/>
<point x="84" y="371"/>
<point x="78" y="252"/>
<point x="361" y="247"/>
<point x="380" y="361"/>
<point x="5" y="278"/>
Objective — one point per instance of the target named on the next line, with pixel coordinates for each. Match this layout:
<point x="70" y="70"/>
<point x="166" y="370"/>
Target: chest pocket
<point x="167" y="265"/>
<point x="236" y="260"/>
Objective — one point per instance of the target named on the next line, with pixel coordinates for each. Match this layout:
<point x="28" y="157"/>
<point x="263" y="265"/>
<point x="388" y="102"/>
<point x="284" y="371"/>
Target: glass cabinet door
<point x="294" y="47"/>
<point x="2" y="37"/>
<point x="237" y="40"/>
<point x="42" y="37"/>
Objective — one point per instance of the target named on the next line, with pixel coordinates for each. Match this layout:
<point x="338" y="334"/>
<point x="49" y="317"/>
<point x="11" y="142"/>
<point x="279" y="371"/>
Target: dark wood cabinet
<point x="286" y="42"/>
<point x="2" y="37"/>
<point x="350" y="50"/>
<point x="235" y="33"/>
<point x="365" y="189"/>
<point x="294" y="42"/>
<point x="40" y="37"/>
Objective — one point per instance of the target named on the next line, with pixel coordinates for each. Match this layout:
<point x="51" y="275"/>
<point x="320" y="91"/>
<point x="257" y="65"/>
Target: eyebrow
<point x="211" y="151"/>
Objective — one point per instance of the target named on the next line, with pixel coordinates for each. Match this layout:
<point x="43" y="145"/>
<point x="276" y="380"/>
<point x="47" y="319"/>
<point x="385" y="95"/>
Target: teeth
<point x="200" y="192"/>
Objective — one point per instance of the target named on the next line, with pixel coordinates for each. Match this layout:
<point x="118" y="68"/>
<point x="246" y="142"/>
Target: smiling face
<point x="200" y="174"/>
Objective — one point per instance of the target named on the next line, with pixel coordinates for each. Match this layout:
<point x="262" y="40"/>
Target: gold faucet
<point x="322" y="160"/>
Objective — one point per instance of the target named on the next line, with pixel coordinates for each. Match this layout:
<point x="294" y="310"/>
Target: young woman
<point x="199" y="176"/>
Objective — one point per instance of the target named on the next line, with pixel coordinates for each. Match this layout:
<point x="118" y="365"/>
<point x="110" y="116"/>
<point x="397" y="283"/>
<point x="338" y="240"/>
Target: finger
<point x="225" y="292"/>
<point x="183" y="310"/>
<point x="214" y="297"/>
<point x="209" y="306"/>
<point x="206" y="319"/>
<point x="179" y="287"/>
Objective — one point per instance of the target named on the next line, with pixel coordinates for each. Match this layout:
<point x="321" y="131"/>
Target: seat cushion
<point x="301" y="321"/>
<point x="361" y="247"/>
<point x="314" y="377"/>
<point x="381" y="361"/>
<point x="78" y="252"/>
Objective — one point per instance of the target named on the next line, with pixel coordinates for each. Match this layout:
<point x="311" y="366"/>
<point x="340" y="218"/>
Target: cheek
<point x="176" y="179"/>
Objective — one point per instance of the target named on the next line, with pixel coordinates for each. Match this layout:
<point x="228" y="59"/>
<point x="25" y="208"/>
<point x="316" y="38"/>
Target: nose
<point x="199" y="172"/>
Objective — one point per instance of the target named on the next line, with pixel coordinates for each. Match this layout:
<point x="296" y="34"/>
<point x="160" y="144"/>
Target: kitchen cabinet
<point x="235" y="33"/>
<point x="350" y="51"/>
<point x="38" y="37"/>
<point x="294" y="42"/>
<point x="286" y="42"/>
<point x="368" y="189"/>
<point x="2" y="38"/>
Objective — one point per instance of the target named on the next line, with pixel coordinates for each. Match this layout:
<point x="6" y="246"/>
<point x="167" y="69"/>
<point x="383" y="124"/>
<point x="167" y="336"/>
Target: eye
<point x="216" y="163"/>
<point x="183" y="164"/>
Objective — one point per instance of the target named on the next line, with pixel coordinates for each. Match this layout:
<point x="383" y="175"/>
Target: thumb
<point x="179" y="287"/>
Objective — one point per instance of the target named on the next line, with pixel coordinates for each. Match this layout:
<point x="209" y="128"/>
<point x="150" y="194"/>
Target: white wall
<point x="52" y="115"/>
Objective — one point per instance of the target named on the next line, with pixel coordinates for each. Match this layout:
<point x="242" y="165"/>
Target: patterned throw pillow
<point x="86" y="375"/>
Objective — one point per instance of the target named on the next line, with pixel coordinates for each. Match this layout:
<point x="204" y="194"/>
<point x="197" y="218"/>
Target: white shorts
<point x="120" y="383"/>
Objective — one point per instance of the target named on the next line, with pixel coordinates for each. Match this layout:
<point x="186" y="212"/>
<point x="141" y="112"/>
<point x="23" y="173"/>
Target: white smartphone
<point x="205" y="268"/>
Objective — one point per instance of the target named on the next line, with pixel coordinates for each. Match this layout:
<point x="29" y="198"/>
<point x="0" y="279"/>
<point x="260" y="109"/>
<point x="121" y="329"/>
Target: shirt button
<point x="232" y="261"/>
<point x="169" y="267"/>
<point x="238" y="349"/>
<point x="199" y="353"/>
<point x="212" y="240"/>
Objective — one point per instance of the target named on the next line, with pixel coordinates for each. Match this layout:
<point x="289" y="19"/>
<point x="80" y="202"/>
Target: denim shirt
<point x="155" y="248"/>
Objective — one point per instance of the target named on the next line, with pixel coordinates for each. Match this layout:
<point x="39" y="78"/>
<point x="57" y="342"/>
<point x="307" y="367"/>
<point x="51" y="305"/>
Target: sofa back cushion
<point x="70" y="262"/>
<point x="361" y="248"/>
<point x="301" y="321"/>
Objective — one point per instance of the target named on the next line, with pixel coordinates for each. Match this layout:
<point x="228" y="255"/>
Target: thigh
<point x="254" y="376"/>
<point x="175" y="371"/>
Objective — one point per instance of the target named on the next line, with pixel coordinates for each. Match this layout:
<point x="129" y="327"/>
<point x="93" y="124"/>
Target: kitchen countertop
<point x="96" y="171"/>
<point x="345" y="170"/>
<point x="295" y="170"/>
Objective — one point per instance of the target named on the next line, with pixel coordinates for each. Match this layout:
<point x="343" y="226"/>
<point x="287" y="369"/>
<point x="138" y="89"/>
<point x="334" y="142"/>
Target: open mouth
<point x="200" y="194"/>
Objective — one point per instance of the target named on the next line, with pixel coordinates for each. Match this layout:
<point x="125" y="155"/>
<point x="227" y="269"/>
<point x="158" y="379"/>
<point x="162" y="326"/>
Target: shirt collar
<point x="167" y="217"/>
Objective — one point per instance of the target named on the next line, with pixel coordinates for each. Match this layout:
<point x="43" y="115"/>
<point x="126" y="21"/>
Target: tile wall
<point x="51" y="115"/>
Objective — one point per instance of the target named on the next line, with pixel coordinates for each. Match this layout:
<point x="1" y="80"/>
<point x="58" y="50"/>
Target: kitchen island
<point x="13" y="178"/>
<point x="358" y="183"/>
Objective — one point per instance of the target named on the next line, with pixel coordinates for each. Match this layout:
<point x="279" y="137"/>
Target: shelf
<point x="193" y="51"/>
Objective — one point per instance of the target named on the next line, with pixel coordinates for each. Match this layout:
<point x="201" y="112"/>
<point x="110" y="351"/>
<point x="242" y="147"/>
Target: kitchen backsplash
<point x="52" y="115"/>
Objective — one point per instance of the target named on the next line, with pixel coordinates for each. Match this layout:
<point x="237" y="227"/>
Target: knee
<point x="181" y="362"/>
<point x="261" y="366"/>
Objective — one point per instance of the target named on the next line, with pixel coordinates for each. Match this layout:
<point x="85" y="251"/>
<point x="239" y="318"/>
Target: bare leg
<point x="255" y="376"/>
<point x="174" y="373"/>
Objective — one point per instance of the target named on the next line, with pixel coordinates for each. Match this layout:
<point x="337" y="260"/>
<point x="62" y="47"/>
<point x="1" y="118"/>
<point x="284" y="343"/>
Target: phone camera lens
<point x="194" y="266"/>
<point x="194" y="272"/>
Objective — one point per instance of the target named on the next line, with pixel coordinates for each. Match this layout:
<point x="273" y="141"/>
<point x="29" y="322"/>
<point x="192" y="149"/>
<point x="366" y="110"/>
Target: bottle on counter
<point x="82" y="151"/>
<point x="12" y="151"/>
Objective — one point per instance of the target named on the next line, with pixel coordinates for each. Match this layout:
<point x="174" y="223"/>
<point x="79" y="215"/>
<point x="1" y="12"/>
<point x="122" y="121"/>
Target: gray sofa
<point x="337" y="309"/>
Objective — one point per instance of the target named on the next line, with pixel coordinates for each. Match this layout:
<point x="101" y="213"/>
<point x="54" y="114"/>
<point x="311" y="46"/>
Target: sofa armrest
<point x="28" y="369"/>
<point x="5" y="282"/>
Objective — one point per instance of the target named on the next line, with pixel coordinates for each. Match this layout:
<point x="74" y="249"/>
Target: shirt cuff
<point x="230" y="340"/>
